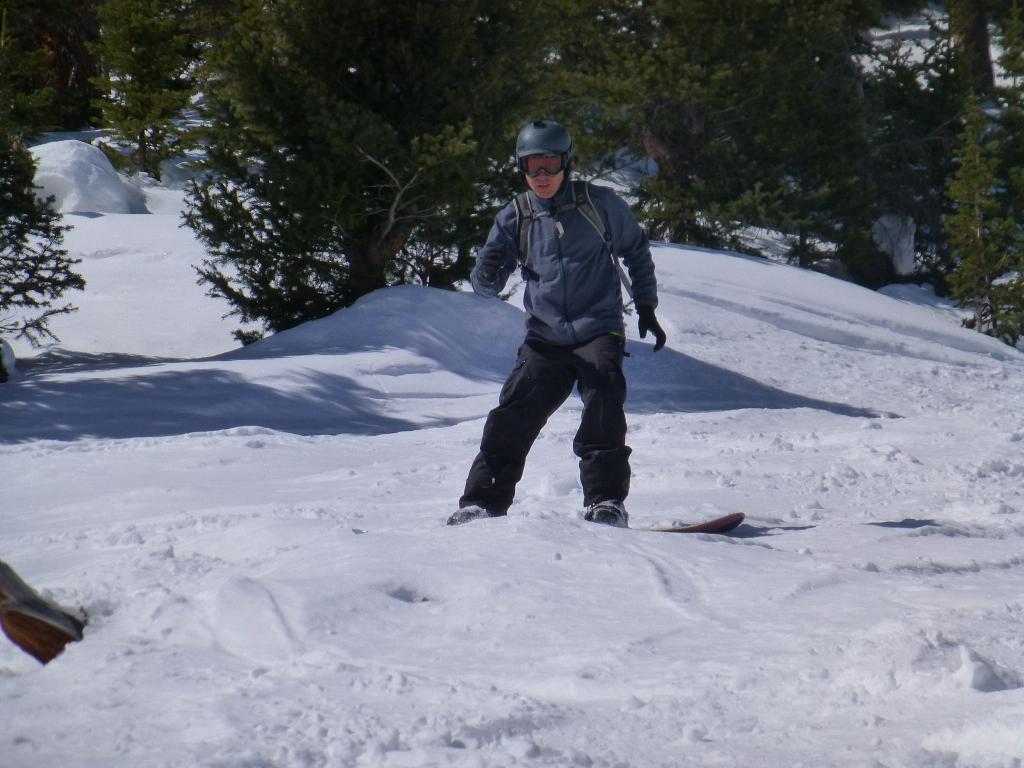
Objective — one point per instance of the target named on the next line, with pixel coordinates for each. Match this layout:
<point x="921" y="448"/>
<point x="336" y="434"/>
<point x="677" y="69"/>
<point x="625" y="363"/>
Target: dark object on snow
<point x="36" y="625"/>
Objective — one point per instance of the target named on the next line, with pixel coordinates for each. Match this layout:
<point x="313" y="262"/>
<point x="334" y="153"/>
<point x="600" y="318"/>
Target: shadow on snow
<point x="164" y="402"/>
<point x="147" y="397"/>
<point x="671" y="382"/>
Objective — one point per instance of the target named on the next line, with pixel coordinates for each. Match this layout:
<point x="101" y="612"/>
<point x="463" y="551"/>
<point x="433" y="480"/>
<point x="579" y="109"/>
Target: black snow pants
<point x="541" y="381"/>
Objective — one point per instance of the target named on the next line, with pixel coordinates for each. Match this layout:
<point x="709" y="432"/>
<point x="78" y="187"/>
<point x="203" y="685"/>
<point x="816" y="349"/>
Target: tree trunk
<point x="968" y="23"/>
<point x="369" y="266"/>
<point x="656" y="150"/>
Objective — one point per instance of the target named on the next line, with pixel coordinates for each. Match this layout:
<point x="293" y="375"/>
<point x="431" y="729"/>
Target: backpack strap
<point x="582" y="202"/>
<point x="581" y="196"/>
<point x="524" y="218"/>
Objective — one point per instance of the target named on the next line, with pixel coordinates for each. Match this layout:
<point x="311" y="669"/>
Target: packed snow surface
<point x="258" y="534"/>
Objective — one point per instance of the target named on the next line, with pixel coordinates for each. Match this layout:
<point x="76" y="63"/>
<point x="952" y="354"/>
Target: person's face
<point x="544" y="174"/>
<point x="544" y="186"/>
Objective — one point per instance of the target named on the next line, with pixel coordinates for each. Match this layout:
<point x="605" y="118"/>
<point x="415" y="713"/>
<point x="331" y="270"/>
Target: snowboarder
<point x="566" y="237"/>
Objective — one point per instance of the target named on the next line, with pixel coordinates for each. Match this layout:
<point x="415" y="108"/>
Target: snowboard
<point x="722" y="524"/>
<point x="36" y="625"/>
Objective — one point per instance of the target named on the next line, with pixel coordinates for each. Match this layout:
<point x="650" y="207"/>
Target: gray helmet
<point x="543" y="137"/>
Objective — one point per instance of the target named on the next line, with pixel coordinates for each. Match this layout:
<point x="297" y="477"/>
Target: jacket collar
<point x="562" y="196"/>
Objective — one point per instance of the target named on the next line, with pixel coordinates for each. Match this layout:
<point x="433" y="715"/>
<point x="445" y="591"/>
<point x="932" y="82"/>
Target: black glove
<point x="648" y="322"/>
<point x="488" y="264"/>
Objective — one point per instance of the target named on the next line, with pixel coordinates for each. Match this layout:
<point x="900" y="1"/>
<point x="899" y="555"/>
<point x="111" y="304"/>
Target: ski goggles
<point x="534" y="165"/>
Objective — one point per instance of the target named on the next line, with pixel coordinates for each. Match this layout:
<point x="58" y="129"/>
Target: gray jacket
<point x="573" y="294"/>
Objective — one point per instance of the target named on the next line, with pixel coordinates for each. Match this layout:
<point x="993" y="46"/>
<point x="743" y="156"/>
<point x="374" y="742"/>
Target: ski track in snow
<point x="258" y="539"/>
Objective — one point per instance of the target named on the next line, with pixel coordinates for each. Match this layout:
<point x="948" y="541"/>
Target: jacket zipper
<point x="559" y="231"/>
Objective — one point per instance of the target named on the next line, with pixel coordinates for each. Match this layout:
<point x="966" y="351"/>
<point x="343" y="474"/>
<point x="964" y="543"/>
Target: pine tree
<point x="35" y="270"/>
<point x="24" y="99"/>
<point x="986" y="244"/>
<point x="46" y="63"/>
<point x="345" y="135"/>
<point x="148" y="49"/>
<point x="65" y="32"/>
<point x="914" y="97"/>
<point x="1010" y="121"/>
<point x="751" y="109"/>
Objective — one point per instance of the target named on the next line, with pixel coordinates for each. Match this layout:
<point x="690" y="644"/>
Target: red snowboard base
<point x="722" y="524"/>
<point x="33" y="623"/>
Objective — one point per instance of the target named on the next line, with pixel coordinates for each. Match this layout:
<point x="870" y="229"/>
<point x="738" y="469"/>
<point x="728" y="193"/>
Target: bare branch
<point x="396" y="202"/>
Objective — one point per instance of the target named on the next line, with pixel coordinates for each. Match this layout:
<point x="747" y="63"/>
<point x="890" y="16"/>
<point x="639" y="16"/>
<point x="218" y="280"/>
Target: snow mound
<point x="813" y="306"/>
<point x="82" y="180"/>
<point x="463" y="332"/>
<point x="402" y="358"/>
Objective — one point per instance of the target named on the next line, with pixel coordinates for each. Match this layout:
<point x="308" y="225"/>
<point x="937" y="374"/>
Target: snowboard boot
<point x="608" y="513"/>
<point x="471" y="512"/>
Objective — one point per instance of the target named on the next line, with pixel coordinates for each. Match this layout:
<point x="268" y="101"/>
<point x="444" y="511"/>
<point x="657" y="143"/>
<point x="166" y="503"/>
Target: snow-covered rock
<point x="82" y="180"/>
<point x="8" y="368"/>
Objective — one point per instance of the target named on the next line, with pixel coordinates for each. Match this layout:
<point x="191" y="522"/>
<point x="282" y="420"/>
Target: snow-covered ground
<point x="257" y="534"/>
